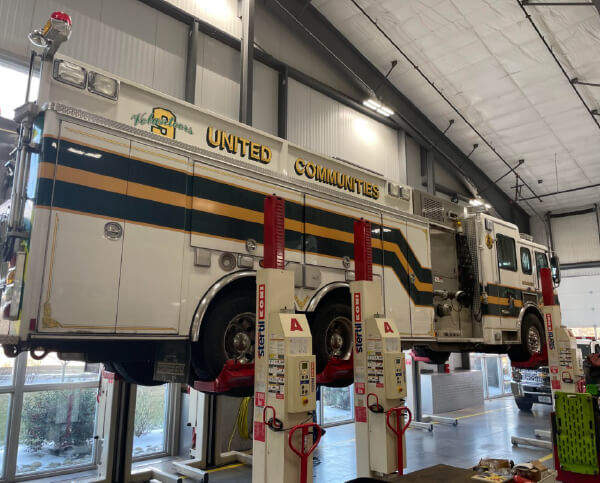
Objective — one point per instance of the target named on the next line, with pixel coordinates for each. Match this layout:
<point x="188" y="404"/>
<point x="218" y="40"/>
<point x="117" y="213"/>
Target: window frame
<point x="523" y="249"/>
<point x="499" y="237"/>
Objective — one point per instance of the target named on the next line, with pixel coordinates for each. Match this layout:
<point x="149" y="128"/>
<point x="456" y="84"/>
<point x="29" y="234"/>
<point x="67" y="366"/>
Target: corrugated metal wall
<point x="321" y="124"/>
<point x="220" y="13"/>
<point x="121" y="36"/>
<point x="218" y="84"/>
<point x="576" y="238"/>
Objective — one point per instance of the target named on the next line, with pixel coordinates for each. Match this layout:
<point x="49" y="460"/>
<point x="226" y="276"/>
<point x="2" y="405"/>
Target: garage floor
<point x="482" y="431"/>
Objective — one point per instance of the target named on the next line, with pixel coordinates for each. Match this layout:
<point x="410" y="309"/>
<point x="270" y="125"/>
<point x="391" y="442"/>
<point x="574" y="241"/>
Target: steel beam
<point x="282" y="102"/>
<point x="191" y="61"/>
<point x="247" y="62"/>
<point x="317" y="30"/>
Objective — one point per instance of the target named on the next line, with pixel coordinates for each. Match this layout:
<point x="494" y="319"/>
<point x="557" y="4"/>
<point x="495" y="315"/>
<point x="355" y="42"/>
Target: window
<point x="150" y="423"/>
<point x="507" y="256"/>
<point x="540" y="260"/>
<point x="526" y="267"/>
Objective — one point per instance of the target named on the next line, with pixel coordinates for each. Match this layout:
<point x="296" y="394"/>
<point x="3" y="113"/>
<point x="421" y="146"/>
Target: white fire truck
<point x="135" y="228"/>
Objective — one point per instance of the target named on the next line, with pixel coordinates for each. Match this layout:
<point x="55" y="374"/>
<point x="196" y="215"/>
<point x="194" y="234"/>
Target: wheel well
<point x="535" y="311"/>
<point x="340" y="295"/>
<point x="241" y="284"/>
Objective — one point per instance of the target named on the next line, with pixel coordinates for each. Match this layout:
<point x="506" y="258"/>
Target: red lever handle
<point x="376" y="408"/>
<point x="303" y="453"/>
<point x="275" y="424"/>
<point x="399" y="431"/>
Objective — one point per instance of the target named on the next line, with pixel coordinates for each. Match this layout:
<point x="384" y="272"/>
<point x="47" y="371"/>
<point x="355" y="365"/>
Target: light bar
<point x="69" y="73"/>
<point x="378" y="107"/>
<point x="103" y="86"/>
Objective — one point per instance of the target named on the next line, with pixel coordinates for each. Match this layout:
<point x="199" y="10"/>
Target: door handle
<point x="412" y="277"/>
<point x="113" y="230"/>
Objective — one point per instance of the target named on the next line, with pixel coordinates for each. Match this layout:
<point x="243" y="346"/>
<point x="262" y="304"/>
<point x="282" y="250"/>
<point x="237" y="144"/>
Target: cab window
<point x="526" y="266"/>
<point x="540" y="260"/>
<point x="507" y="257"/>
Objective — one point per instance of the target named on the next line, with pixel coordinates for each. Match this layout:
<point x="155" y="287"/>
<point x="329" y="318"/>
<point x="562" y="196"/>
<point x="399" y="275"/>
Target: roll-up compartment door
<point x="85" y="189"/>
<point x="228" y="212"/>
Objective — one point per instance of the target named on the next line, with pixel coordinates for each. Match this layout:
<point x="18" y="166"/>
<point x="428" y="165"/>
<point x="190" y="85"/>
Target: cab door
<point x="85" y="189"/>
<point x="526" y="272"/>
<point x="153" y="248"/>
<point x="505" y="295"/>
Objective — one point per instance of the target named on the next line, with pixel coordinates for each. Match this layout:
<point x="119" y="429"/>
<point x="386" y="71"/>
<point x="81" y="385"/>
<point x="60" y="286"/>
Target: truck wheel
<point x="137" y="372"/>
<point x="434" y="356"/>
<point x="332" y="333"/>
<point x="227" y="333"/>
<point x="533" y="339"/>
<point x="524" y="403"/>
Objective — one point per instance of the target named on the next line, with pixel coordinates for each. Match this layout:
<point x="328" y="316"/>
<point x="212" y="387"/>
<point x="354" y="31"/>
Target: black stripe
<point x="240" y="197"/>
<point x="320" y="217"/>
<point x="90" y="200"/>
<point x="504" y="292"/>
<point x="223" y="226"/>
<point x="394" y="235"/>
<point x="93" y="160"/>
<point x="159" y="177"/>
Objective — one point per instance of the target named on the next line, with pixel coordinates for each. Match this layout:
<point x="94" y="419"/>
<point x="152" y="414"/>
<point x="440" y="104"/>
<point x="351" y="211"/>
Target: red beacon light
<point x="56" y="31"/>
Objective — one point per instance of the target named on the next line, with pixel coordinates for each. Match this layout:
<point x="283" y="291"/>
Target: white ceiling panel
<point x="489" y="62"/>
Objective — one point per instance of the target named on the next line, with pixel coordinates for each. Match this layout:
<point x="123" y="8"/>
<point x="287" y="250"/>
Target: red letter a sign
<point x="387" y="328"/>
<point x="295" y="325"/>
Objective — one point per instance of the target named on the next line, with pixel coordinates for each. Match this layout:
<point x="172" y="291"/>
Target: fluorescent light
<point x="387" y="110"/>
<point x="475" y="202"/>
<point x="378" y="107"/>
<point x="384" y="112"/>
<point x="372" y="104"/>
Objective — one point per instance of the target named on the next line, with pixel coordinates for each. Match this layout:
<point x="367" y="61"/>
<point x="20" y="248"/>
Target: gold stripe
<point x="503" y="301"/>
<point x="244" y="214"/>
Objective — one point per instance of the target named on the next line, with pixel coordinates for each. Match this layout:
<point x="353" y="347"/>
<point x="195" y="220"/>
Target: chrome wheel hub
<point x="534" y="340"/>
<point x="239" y="338"/>
<point x="339" y="338"/>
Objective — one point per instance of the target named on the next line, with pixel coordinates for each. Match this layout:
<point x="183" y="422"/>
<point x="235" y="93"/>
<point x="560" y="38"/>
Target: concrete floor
<point x="482" y="431"/>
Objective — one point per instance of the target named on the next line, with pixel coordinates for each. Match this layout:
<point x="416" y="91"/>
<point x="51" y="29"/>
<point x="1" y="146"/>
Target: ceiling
<point x="499" y="78"/>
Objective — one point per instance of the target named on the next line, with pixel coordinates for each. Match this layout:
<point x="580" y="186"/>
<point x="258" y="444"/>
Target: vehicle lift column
<point x="285" y="368"/>
<point x="566" y="371"/>
<point x="379" y="370"/>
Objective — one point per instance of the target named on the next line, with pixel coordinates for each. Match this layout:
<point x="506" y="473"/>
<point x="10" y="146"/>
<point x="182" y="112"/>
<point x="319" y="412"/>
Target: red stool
<point x="302" y="452"/>
<point x="399" y="431"/>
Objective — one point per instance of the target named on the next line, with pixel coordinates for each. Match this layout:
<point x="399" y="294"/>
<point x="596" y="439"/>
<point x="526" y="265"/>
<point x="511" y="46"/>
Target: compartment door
<point x="228" y="211"/>
<point x="85" y="190"/>
<point x="329" y="232"/>
<point x="153" y="248"/>
<point x="418" y="257"/>
<point x="396" y="274"/>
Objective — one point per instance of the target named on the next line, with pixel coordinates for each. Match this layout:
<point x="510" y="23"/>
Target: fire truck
<point x="135" y="228"/>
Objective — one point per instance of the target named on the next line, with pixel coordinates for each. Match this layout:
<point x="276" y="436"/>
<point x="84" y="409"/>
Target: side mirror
<point x="555" y="266"/>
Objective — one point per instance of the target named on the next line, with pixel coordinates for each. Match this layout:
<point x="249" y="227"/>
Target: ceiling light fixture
<point x="378" y="107"/>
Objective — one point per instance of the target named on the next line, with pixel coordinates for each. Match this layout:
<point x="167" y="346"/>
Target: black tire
<point x="532" y="336"/>
<point x="209" y="353"/>
<point x="334" y="317"/>
<point x="434" y="356"/>
<point x="524" y="403"/>
<point x="137" y="372"/>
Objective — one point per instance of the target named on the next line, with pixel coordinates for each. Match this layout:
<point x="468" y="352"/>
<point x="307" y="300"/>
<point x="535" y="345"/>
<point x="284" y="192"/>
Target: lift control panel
<point x="301" y="383"/>
<point x="395" y="378"/>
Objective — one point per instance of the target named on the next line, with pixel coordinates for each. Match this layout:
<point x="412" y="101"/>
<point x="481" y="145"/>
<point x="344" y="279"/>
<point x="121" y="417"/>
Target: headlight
<point x="69" y="73"/>
<point x="103" y="86"/>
